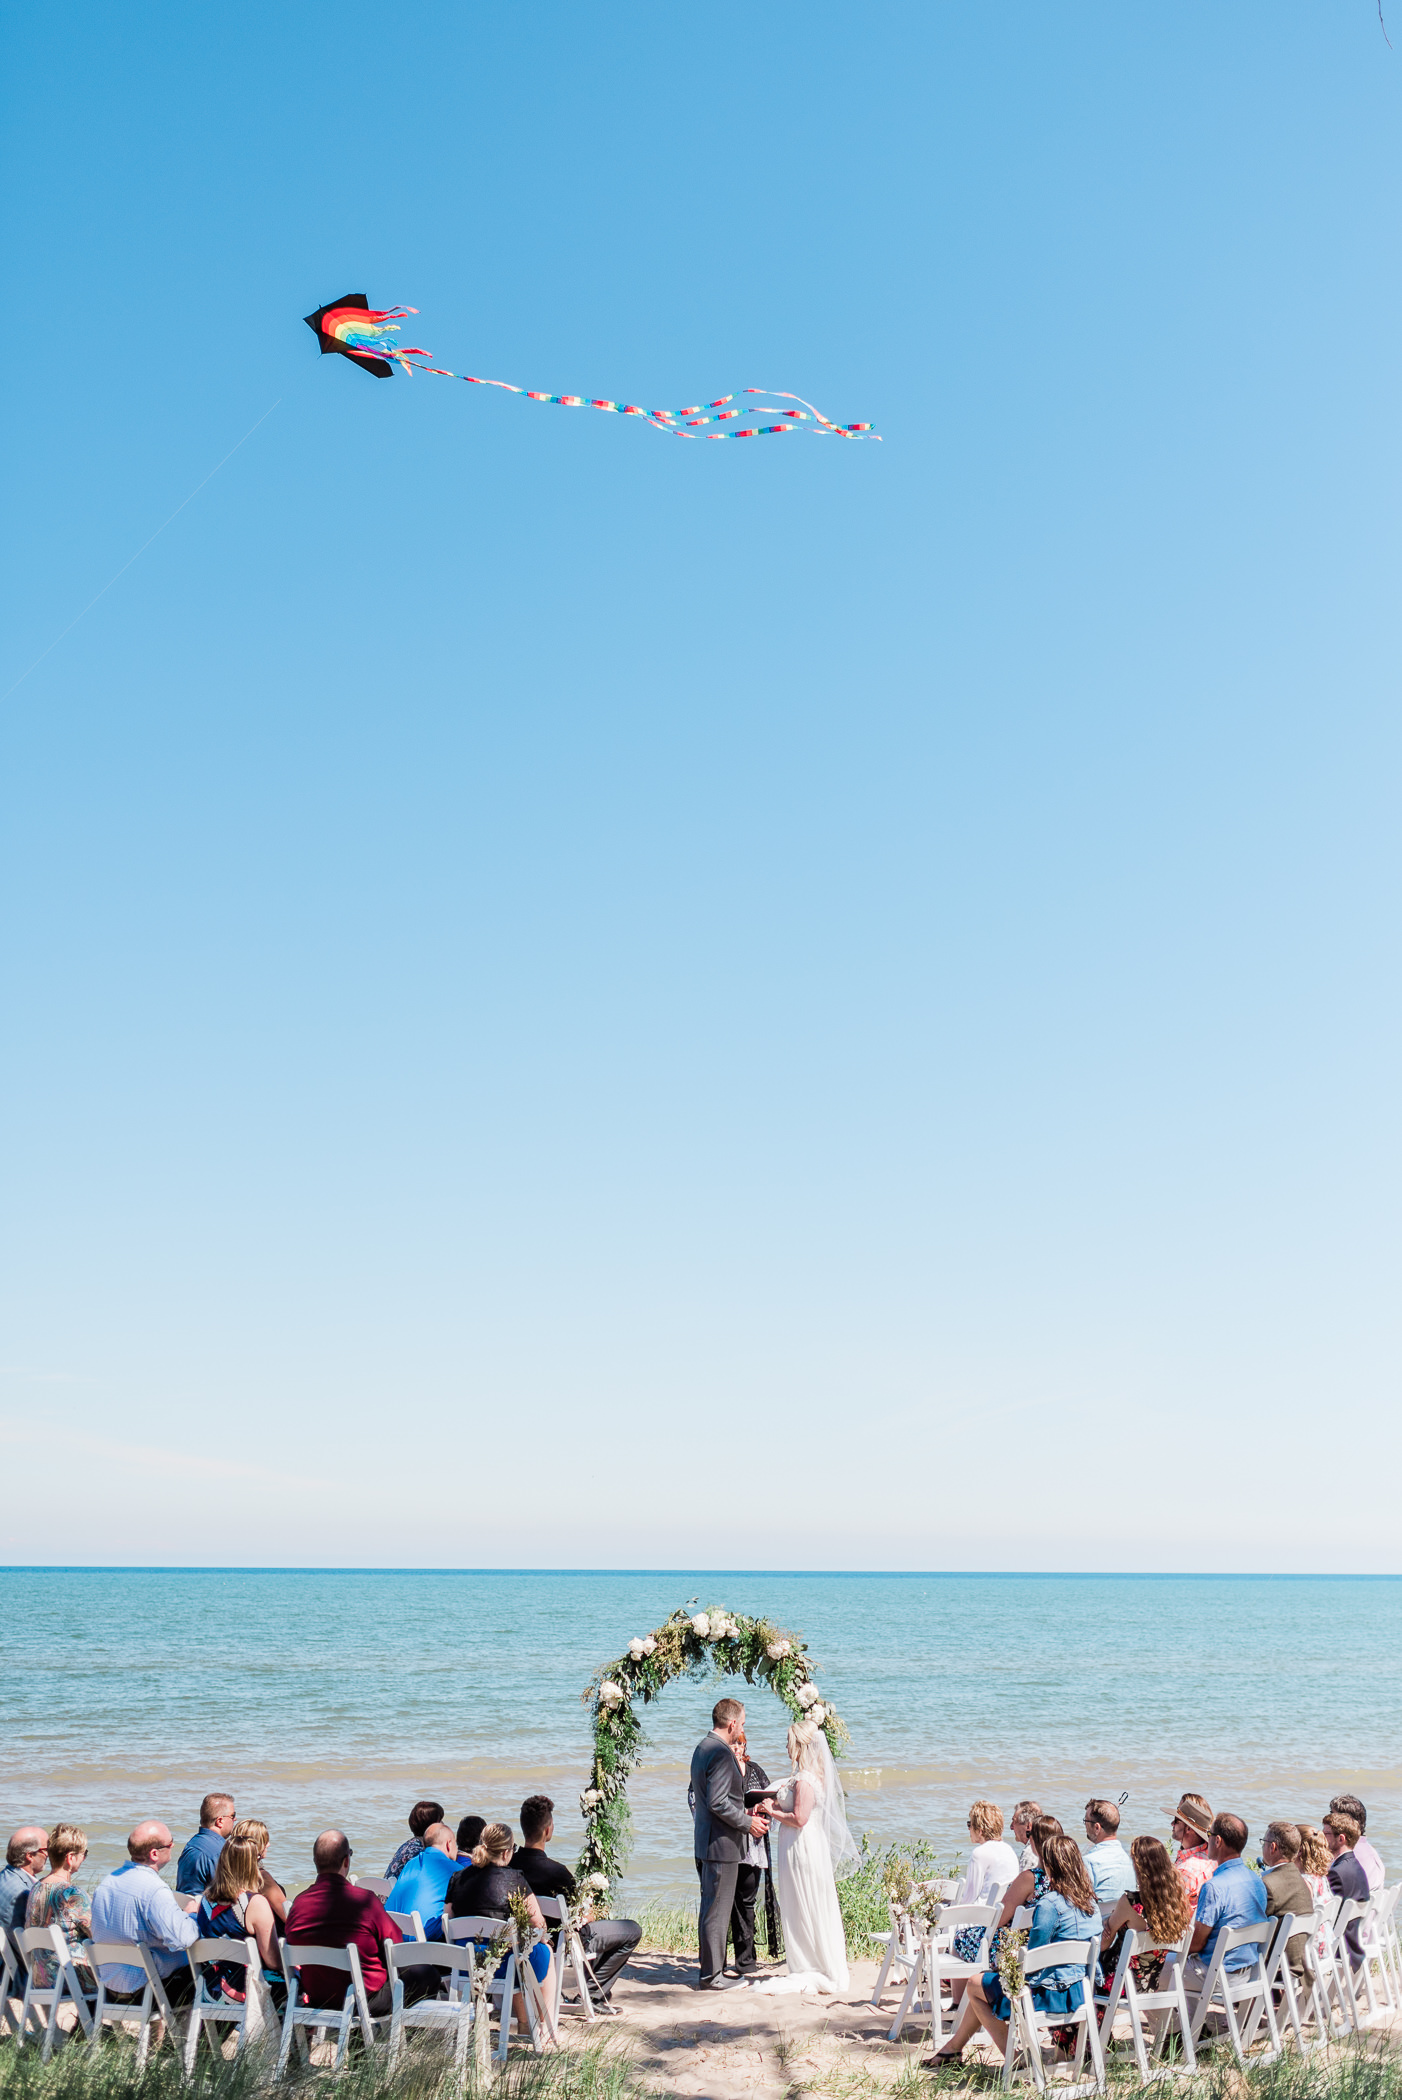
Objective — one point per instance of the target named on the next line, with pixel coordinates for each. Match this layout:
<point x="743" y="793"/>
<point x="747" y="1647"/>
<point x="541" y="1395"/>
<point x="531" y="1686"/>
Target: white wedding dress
<point x="805" y="1864"/>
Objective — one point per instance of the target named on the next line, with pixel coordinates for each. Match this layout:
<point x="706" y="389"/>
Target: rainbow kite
<point x="366" y="335"/>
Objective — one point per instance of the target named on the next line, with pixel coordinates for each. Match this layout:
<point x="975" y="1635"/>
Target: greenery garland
<point x="691" y="1643"/>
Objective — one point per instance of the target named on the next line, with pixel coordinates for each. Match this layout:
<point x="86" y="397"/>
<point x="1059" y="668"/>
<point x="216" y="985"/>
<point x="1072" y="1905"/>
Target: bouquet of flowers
<point x="1011" y="1972"/>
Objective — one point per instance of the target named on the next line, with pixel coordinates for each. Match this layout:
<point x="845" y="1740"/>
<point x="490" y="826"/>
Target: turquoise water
<point x="340" y="1697"/>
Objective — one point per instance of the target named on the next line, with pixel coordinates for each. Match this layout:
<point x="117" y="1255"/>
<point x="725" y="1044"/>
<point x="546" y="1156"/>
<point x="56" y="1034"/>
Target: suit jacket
<point x="718" y="1792"/>
<point x="1287" y="1889"/>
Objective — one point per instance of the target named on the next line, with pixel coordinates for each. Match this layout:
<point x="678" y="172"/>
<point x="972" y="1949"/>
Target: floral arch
<point x="691" y="1644"/>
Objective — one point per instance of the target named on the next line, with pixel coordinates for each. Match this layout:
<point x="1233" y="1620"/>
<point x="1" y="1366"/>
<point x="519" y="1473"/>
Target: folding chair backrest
<point x="376" y="1884"/>
<point x="1060" y="1954"/>
<point x="460" y="1929"/>
<point x="457" y="1963"/>
<point x="409" y="1923"/>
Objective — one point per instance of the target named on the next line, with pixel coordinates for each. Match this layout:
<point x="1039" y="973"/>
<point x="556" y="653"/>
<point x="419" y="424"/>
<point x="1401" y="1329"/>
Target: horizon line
<point x="791" y="1574"/>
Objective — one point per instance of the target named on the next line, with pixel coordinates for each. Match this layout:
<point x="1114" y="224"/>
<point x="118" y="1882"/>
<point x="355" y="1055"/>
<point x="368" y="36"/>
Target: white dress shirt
<point x="992" y="1866"/>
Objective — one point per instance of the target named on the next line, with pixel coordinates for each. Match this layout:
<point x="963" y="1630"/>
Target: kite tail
<point x="679" y="422"/>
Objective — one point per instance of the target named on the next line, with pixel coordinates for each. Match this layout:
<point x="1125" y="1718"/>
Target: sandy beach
<point x="740" y="2043"/>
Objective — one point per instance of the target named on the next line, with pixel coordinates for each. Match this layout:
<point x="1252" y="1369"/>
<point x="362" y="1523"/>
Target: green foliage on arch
<point x="691" y="1643"/>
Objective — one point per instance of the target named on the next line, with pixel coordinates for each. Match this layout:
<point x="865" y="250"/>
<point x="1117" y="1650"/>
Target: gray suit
<point x="722" y="1833"/>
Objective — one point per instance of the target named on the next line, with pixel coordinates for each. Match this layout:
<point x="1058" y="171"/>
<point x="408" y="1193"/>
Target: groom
<point x="724" y="1827"/>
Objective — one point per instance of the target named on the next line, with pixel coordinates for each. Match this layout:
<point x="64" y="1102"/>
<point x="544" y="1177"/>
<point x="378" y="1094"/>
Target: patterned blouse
<point x="58" y="1903"/>
<point x="410" y="1849"/>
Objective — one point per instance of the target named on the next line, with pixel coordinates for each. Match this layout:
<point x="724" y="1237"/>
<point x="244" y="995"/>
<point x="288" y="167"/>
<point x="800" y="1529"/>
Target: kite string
<point x="139" y="552"/>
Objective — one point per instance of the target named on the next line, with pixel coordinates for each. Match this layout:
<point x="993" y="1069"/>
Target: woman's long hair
<point x="1044" y="1827"/>
<point x="1161" y="1890"/>
<point x="238" y="1872"/>
<point x="495" y="1846"/>
<point x="1066" y="1872"/>
<point x="1315" y="1856"/>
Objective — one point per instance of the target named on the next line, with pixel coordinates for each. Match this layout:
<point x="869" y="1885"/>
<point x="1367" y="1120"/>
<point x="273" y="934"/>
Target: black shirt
<point x="483" y="1892"/>
<point x="546" y="1876"/>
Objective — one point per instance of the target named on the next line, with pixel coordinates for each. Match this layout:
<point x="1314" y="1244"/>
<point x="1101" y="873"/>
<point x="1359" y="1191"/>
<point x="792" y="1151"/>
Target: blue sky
<point x="805" y="1005"/>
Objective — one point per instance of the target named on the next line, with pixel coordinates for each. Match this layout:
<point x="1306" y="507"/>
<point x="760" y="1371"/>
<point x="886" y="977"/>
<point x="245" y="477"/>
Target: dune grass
<point x="600" y="2071"/>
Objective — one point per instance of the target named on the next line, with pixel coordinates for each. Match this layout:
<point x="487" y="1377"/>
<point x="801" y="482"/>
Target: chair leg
<point x="908" y="2000"/>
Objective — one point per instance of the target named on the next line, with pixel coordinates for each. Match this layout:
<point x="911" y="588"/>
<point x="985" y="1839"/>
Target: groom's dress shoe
<point x="721" y="1983"/>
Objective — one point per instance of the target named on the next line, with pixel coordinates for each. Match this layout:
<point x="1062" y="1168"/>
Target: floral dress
<point x="995" y="1945"/>
<point x="59" y="1903"/>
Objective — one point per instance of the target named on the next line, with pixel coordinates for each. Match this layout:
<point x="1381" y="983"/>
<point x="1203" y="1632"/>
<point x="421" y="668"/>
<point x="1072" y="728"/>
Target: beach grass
<point x="597" y="2071"/>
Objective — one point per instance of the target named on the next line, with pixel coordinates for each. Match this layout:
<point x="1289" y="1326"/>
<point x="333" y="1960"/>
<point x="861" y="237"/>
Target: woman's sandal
<point x="940" y="2058"/>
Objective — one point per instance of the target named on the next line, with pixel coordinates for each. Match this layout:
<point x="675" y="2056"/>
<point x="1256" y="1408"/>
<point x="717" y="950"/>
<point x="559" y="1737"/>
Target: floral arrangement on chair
<point x="1012" y="1972"/>
<point x="692" y="1644"/>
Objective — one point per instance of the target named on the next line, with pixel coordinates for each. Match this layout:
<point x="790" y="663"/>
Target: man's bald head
<point x="440" y="1835"/>
<point x="148" y="1838"/>
<point x="24" y="1843"/>
<point x="331" y="1852"/>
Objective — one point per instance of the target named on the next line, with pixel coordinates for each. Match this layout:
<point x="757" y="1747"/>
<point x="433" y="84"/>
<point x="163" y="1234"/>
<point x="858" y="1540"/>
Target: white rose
<point x="807" y="1695"/>
<point x="818" y="1712"/>
<point x="611" y="1694"/>
<point x="637" y="1649"/>
<point x="596" y="1881"/>
<point x="701" y="1626"/>
<point x="777" y="1650"/>
<point x="590" y="1798"/>
<point x="649" y="1645"/>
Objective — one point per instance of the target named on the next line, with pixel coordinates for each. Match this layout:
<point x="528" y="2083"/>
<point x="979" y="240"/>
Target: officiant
<point x="754" y="1868"/>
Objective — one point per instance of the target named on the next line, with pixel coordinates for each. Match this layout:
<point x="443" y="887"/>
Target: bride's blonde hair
<point x="802" y="1740"/>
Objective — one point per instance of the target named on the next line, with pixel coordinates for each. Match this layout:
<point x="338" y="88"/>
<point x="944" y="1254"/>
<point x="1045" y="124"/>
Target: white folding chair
<point x="1151" y="2014"/>
<point x="68" y="1982"/>
<point x="936" y="1964"/>
<point x="1278" y="1979"/>
<point x="570" y="1949"/>
<point x="151" y="2008"/>
<point x="899" y="1945"/>
<point x="323" y="2019"/>
<point x="409" y="1923"/>
<point x="251" y="2016"/>
<point x="1227" y="1991"/>
<point x="1030" y="2029"/>
<point x="12" y="1973"/>
<point x="376" y="1884"/>
<point x="450" y="2015"/>
<point x="1335" y="1966"/>
<point x="1373" y="1938"/>
<point x="517" y="1976"/>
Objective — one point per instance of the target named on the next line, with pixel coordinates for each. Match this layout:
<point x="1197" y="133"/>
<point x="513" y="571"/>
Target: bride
<point x="812" y="1846"/>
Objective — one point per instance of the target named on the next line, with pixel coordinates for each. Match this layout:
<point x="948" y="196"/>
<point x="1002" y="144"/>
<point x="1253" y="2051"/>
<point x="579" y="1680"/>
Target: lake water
<point x="341" y="1697"/>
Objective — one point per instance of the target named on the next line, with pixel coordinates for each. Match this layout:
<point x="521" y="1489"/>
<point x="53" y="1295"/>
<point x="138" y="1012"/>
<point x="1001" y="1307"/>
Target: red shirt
<point x="334" y="1913"/>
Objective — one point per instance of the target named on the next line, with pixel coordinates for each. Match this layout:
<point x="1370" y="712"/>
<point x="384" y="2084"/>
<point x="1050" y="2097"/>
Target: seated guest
<point x="1157" y="1904"/>
<point x="234" y="1907"/>
<point x="1109" y="1866"/>
<point x="1192" y="1826"/>
<point x="1233" y="1897"/>
<point x="333" y="1912"/>
<point x="470" y="1834"/>
<point x="56" y="1901"/>
<point x="420" y="1816"/>
<point x="1287" y="1889"/>
<point x="201" y="1854"/>
<point x="483" y="1887"/>
<point x="1315" y="1862"/>
<point x="423" y="1884"/>
<point x="1066" y="1910"/>
<point x="26" y="1857"/>
<point x="1021" y="1893"/>
<point x="1020" y="1829"/>
<point x="993" y="1867"/>
<point x="1366" y="1854"/>
<point x="607" y="1941"/>
<point x="260" y="1836"/>
<point x="1346" y="1875"/>
<point x="133" y="1903"/>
